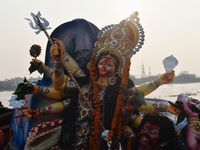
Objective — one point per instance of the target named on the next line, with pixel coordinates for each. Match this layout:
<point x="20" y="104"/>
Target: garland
<point x="117" y="118"/>
<point x="129" y="143"/>
<point x="94" y="138"/>
<point x="124" y="83"/>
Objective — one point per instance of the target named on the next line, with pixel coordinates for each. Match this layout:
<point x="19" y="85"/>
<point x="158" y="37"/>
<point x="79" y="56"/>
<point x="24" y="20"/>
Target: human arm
<point x="44" y="69"/>
<point x="149" y="87"/>
<point x="47" y="110"/>
<point x="127" y="109"/>
<point x="49" y="92"/>
<point x="152" y="106"/>
<point x="189" y="113"/>
<point x="63" y="59"/>
<point x="38" y="65"/>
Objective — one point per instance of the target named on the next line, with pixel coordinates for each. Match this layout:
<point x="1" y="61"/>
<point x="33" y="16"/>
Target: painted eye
<point x="144" y="127"/>
<point x="100" y="63"/>
<point x="109" y="65"/>
<point x="152" y="132"/>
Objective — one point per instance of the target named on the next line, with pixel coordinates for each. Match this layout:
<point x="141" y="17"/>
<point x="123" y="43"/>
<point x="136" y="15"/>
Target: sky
<point x="172" y="27"/>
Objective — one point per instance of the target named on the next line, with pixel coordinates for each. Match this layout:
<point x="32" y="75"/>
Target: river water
<point x="168" y="92"/>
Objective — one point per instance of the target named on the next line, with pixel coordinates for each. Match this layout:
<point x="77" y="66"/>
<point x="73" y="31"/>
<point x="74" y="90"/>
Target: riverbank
<point x="10" y="85"/>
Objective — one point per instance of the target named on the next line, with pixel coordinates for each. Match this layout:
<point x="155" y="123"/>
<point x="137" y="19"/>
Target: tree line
<point x="11" y="84"/>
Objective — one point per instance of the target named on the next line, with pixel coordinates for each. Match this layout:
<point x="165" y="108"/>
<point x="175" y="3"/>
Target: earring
<point x="112" y="80"/>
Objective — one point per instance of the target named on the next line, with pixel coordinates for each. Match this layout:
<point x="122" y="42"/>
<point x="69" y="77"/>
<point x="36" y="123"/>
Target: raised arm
<point x="149" y="87"/>
<point x="63" y="59"/>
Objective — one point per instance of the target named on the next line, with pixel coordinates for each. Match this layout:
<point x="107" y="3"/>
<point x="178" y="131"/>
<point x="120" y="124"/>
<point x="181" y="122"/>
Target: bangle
<point x="157" y="82"/>
<point x="40" y="89"/>
<point x="79" y="73"/>
<point x="66" y="102"/>
<point x="58" y="68"/>
<point x="44" y="110"/>
<point x="58" y="65"/>
<point x="43" y="90"/>
<point x="48" y="71"/>
<point x="66" y="56"/>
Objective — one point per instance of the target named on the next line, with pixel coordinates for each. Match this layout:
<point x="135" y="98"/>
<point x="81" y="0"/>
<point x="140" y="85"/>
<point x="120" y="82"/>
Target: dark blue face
<point x="79" y="36"/>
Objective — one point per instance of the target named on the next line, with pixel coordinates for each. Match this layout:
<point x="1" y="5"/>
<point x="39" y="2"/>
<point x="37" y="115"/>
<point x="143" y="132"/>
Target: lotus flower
<point x="170" y="63"/>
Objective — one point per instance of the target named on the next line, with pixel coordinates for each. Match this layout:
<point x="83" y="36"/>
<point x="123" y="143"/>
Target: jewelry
<point x="48" y="71"/>
<point x="157" y="82"/>
<point x="123" y="40"/>
<point x="58" y="68"/>
<point x="66" y="102"/>
<point x="154" y="84"/>
<point x="112" y="80"/>
<point x="43" y="90"/>
<point x="70" y="83"/>
<point x="45" y="110"/>
<point x="79" y="73"/>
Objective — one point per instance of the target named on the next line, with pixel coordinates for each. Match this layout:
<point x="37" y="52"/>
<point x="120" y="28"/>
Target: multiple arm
<point x="61" y="82"/>
<point x="63" y="59"/>
<point x="47" y="110"/>
<point x="150" y="106"/>
<point x="49" y="92"/>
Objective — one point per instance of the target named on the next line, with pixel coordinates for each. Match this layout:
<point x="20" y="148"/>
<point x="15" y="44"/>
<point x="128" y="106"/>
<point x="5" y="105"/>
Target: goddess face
<point x="149" y="135"/>
<point x="106" y="67"/>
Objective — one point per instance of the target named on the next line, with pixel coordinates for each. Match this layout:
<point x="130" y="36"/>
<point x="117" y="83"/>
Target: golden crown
<point x="123" y="40"/>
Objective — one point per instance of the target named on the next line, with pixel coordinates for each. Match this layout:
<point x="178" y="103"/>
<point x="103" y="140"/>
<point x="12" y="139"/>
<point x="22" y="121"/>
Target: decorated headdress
<point x="122" y="40"/>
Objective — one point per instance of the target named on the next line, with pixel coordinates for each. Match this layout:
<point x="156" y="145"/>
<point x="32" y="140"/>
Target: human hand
<point x="34" y="90"/>
<point x="173" y="109"/>
<point x="37" y="63"/>
<point x="31" y="114"/>
<point x="189" y="112"/>
<point x="185" y="104"/>
<point x="57" y="49"/>
<point x="167" y="77"/>
<point x="129" y="106"/>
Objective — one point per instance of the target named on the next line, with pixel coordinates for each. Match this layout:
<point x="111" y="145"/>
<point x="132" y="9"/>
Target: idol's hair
<point x="167" y="131"/>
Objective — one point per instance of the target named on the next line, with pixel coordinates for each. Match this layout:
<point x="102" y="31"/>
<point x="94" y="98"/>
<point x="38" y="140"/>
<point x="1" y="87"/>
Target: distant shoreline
<point x="11" y="84"/>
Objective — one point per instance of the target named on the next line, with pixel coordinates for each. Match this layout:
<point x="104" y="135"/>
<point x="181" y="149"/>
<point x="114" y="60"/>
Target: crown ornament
<point x="123" y="40"/>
